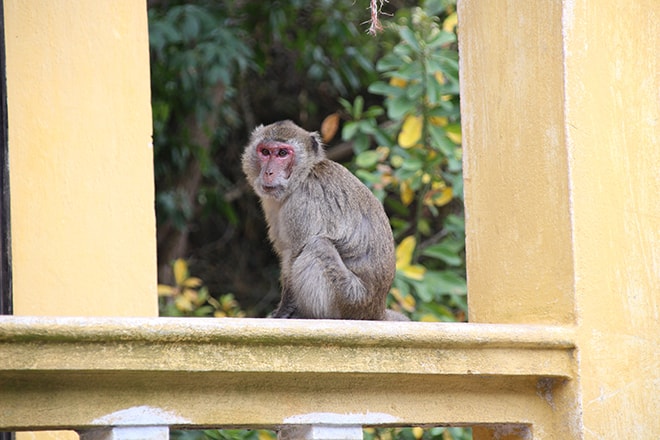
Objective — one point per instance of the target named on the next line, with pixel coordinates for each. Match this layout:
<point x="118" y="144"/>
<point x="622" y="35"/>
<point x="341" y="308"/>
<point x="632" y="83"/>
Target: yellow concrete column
<point x="561" y="118"/>
<point x="519" y="249"/>
<point x="81" y="173"/>
<point x="612" y="138"/>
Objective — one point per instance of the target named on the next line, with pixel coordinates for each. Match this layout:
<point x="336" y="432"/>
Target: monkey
<point x="331" y="234"/>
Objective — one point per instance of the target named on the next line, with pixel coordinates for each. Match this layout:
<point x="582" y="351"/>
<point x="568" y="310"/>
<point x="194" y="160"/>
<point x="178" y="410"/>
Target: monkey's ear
<point x="316" y="142"/>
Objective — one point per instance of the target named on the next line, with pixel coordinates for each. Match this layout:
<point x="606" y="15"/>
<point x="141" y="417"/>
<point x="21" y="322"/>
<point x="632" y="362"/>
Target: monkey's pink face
<point x="276" y="160"/>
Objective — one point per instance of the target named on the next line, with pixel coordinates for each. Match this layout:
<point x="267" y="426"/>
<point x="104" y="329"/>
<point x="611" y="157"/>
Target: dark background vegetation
<point x="387" y="107"/>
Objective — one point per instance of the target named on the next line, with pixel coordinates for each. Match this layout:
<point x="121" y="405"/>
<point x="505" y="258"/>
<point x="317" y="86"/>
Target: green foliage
<point x="196" y="53"/>
<point x="189" y="297"/>
<point x="323" y="39"/>
<point x="418" y="434"/>
<point x="225" y="434"/>
<point x="416" y="167"/>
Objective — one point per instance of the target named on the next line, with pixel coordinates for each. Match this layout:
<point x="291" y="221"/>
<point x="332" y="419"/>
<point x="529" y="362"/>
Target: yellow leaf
<point x="443" y="197"/>
<point x="182" y="303"/>
<point x="414" y="272"/>
<point x="428" y="318"/>
<point x="165" y="290"/>
<point x="192" y="282"/>
<point x="411" y="131"/>
<point x="190" y="294"/>
<point x="265" y="435"/>
<point x="404" y="252"/>
<point x="440" y="78"/>
<point x="417" y="432"/>
<point x="398" y="82"/>
<point x="439" y="121"/>
<point x="396" y="293"/>
<point x="450" y="22"/>
<point x="408" y="303"/>
<point x="180" y="271"/>
<point x="438" y="185"/>
<point x="407" y="194"/>
<point x="455" y="137"/>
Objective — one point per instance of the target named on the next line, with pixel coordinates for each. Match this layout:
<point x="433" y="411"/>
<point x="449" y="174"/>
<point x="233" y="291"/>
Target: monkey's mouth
<point x="271" y="190"/>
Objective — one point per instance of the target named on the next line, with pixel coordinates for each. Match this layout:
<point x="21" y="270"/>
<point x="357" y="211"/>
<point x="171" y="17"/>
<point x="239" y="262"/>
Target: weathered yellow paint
<point x="561" y="115"/>
<point x="613" y="143"/>
<point x="86" y="372"/>
<point x="515" y="169"/>
<point x="82" y="191"/>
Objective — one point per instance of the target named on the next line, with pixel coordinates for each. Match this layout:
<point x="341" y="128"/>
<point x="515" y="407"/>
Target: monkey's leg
<point x="326" y="288"/>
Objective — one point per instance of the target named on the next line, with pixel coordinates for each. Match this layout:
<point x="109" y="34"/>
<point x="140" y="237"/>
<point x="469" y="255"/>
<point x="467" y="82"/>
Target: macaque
<point x="331" y="234"/>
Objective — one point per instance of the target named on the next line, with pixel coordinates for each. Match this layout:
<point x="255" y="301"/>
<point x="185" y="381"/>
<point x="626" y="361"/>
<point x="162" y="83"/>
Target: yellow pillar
<point x="561" y="119"/>
<point x="80" y="155"/>
<point x="612" y="129"/>
<point x="81" y="173"/>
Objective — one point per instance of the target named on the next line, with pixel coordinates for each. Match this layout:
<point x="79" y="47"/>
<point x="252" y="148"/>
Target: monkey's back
<point x="336" y="205"/>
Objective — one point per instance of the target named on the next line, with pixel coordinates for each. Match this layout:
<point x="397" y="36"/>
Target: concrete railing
<point x="125" y="378"/>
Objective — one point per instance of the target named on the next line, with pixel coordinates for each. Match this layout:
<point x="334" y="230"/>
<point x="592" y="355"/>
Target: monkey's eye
<point x="265" y="152"/>
<point x="283" y="153"/>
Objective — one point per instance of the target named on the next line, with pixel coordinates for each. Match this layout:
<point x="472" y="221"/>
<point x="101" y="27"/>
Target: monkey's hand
<point x="286" y="309"/>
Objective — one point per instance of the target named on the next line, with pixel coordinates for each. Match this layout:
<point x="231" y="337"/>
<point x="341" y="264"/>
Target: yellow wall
<point x="612" y="137"/>
<point x="519" y="251"/>
<point x="561" y="117"/>
<point x="82" y="192"/>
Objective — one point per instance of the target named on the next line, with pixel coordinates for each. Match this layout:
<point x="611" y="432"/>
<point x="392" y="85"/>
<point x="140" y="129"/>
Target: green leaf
<point x="412" y="164"/>
<point x="367" y="177"/>
<point x="446" y="282"/>
<point x="358" y="106"/>
<point x="408" y="36"/>
<point x="415" y="92"/>
<point x="389" y="62"/>
<point x="441" y="39"/>
<point x="445" y="253"/>
<point x="440" y="141"/>
<point x="367" y="159"/>
<point x="381" y="88"/>
<point x="374" y="111"/>
<point x="399" y="106"/>
<point x="361" y="143"/>
<point x="424" y="290"/>
<point x="190" y="26"/>
<point x="443" y="312"/>
<point x="349" y="130"/>
<point x="433" y="7"/>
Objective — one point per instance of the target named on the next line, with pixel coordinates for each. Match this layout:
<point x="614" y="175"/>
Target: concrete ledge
<point x="86" y="373"/>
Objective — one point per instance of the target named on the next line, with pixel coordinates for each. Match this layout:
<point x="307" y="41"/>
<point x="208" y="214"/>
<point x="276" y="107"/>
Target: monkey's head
<point x="279" y="156"/>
